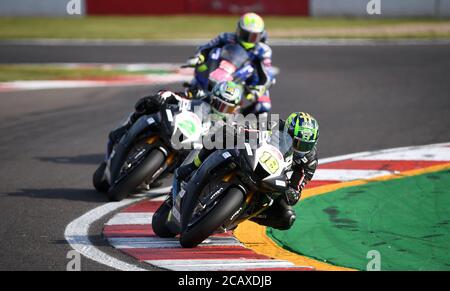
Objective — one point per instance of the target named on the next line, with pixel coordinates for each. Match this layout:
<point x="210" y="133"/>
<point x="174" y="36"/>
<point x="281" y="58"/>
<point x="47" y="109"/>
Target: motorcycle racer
<point x="250" y="34"/>
<point x="225" y="98"/>
<point x="304" y="130"/>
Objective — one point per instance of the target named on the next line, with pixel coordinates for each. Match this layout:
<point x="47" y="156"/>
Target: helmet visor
<point x="222" y="106"/>
<point x="247" y="36"/>
<point x="302" y="147"/>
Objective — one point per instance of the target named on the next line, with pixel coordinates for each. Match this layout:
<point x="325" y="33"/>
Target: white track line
<point x="422" y="154"/>
<point x="139" y="80"/>
<point x="69" y="84"/>
<point x="77" y="235"/>
<point x="347" y="175"/>
<point x="218" y="265"/>
<point x="127" y="218"/>
<point x="368" y="154"/>
<point x="77" y="232"/>
<point x="157" y="242"/>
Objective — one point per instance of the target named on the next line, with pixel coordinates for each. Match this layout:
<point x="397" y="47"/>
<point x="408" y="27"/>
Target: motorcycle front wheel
<point x="159" y="220"/>
<point x="135" y="177"/>
<point x="210" y="222"/>
<point x="100" y="184"/>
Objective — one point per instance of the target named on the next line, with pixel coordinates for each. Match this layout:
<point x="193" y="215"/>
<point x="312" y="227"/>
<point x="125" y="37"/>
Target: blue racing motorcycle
<point x="229" y="63"/>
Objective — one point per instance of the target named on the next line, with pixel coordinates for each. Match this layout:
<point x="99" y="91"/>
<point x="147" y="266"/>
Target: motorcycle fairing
<point x="127" y="141"/>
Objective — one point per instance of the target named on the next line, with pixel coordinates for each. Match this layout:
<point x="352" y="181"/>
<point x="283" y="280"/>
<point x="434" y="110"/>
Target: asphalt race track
<point x="365" y="98"/>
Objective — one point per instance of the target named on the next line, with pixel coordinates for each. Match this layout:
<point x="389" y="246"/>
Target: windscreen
<point x="234" y="54"/>
<point x="281" y="140"/>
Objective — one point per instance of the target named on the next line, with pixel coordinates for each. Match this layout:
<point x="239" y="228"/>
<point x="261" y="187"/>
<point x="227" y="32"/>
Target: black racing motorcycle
<point x="155" y="145"/>
<point x="231" y="186"/>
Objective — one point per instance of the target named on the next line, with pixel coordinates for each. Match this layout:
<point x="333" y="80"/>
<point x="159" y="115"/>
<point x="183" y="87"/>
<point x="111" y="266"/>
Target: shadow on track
<point x="91" y="159"/>
<point x="86" y="195"/>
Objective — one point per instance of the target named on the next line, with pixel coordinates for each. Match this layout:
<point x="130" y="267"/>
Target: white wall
<point x="389" y="8"/>
<point x="444" y="8"/>
<point x="36" y="7"/>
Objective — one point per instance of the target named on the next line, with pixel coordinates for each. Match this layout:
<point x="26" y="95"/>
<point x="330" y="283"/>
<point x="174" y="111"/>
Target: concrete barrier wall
<point x="389" y="8"/>
<point x="36" y="7"/>
<point x="444" y="8"/>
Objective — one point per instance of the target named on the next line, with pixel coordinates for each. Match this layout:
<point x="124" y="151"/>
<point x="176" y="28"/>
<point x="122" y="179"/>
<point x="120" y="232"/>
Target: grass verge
<point x="191" y="27"/>
<point x="49" y="72"/>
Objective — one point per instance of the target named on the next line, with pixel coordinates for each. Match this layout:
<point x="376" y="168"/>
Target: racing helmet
<point x="226" y="97"/>
<point x="304" y="130"/>
<point x="250" y="30"/>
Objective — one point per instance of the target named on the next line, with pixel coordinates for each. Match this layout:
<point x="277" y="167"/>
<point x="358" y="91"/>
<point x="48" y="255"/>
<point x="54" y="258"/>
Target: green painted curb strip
<point x="407" y="220"/>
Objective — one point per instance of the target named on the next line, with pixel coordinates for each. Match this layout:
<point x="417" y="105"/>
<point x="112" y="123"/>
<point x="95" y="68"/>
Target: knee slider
<point x="287" y="220"/>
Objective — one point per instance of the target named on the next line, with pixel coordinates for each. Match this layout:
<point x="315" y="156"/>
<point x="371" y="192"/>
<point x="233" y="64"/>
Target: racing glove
<point x="298" y="181"/>
<point x="153" y="103"/>
<point x="196" y="60"/>
<point x="254" y="92"/>
<point x="149" y="104"/>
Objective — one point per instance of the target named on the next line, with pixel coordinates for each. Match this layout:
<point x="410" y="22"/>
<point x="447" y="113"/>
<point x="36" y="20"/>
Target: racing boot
<point x="279" y="216"/>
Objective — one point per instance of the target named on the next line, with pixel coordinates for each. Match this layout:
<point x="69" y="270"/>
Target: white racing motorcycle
<point x="155" y="145"/>
<point x="231" y="186"/>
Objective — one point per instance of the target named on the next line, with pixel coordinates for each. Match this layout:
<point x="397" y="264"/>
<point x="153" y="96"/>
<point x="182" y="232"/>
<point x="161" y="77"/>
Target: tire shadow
<point x="90" y="159"/>
<point x="70" y="194"/>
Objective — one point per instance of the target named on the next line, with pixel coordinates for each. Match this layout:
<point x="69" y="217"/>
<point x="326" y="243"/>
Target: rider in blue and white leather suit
<point x="251" y="35"/>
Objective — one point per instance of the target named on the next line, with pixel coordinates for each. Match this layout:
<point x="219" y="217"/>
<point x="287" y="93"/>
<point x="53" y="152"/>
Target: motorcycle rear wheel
<point x="223" y="210"/>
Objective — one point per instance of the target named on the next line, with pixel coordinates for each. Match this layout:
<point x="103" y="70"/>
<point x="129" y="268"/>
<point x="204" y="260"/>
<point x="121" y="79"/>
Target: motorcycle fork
<point x="228" y="177"/>
<point x="249" y="200"/>
<point x="170" y="158"/>
<point x="152" y="139"/>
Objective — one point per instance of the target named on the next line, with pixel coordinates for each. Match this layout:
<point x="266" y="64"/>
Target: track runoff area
<point x="381" y="210"/>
